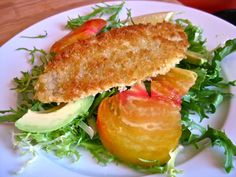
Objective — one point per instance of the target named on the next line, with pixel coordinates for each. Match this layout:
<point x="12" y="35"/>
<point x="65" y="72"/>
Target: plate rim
<point x="114" y="2"/>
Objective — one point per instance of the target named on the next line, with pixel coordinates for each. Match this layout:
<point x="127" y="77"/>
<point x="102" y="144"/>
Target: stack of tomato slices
<point x="139" y="127"/>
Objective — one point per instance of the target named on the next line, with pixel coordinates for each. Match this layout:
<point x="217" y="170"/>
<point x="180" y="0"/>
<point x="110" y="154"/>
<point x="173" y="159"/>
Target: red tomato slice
<point x="89" y="29"/>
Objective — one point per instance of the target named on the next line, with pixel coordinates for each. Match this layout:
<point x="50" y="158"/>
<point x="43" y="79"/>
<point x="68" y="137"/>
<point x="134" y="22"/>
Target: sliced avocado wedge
<point x="195" y="58"/>
<point x="46" y="121"/>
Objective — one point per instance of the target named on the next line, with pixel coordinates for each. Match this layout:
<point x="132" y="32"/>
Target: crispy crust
<point x="117" y="58"/>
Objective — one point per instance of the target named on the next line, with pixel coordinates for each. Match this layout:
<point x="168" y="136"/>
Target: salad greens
<point x="168" y="168"/>
<point x="194" y="36"/>
<point x="24" y="86"/>
<point x="207" y="93"/>
<point x="64" y="142"/>
<point x="203" y="98"/>
<point x="148" y="85"/>
<point x="112" y="11"/>
<point x="38" y="36"/>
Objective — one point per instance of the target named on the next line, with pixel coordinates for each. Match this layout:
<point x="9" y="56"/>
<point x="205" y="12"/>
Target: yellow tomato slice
<point x="140" y="129"/>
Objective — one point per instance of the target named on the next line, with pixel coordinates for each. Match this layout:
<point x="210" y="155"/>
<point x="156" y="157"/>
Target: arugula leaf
<point x="147" y="85"/>
<point x="219" y="138"/>
<point x="15" y="115"/>
<point x="33" y="53"/>
<point x="195" y="38"/>
<point x="168" y="168"/>
<point x="98" y="11"/>
<point x="157" y="168"/>
<point x="221" y="52"/>
<point x="98" y="99"/>
<point x="206" y="94"/>
<point x="38" y="36"/>
<point x="24" y="86"/>
<point x="112" y="11"/>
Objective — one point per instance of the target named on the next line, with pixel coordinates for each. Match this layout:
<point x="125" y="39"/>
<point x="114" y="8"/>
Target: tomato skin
<point x="137" y="128"/>
<point x="87" y="30"/>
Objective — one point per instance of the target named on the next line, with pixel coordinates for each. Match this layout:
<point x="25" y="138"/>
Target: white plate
<point x="205" y="163"/>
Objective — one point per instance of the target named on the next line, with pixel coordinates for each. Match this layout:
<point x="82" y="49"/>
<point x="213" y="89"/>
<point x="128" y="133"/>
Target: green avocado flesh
<point x="42" y="122"/>
<point x="195" y="58"/>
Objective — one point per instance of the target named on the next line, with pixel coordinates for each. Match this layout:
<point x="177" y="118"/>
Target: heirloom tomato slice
<point x="143" y="129"/>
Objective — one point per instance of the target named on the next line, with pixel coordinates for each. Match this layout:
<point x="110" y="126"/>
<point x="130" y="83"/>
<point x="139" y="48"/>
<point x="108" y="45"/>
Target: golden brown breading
<point x="117" y="58"/>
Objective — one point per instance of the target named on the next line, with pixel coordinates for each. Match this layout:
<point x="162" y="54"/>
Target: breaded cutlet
<point x="117" y="58"/>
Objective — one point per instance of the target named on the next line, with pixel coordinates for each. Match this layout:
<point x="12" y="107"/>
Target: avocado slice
<point x="46" y="121"/>
<point x="195" y="58"/>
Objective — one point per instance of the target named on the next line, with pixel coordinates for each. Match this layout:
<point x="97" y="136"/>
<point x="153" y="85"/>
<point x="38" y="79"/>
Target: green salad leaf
<point x="24" y="86"/>
<point x="98" y="99"/>
<point x="169" y="168"/>
<point x="148" y="85"/>
<point x="221" y="52"/>
<point x="38" y="36"/>
<point x="65" y="142"/>
<point x="14" y="115"/>
<point x="194" y="36"/>
<point x="218" y="138"/>
<point x="207" y="93"/>
<point x="112" y="11"/>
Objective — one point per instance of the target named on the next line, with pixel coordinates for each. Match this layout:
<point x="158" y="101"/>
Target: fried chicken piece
<point x="117" y="58"/>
